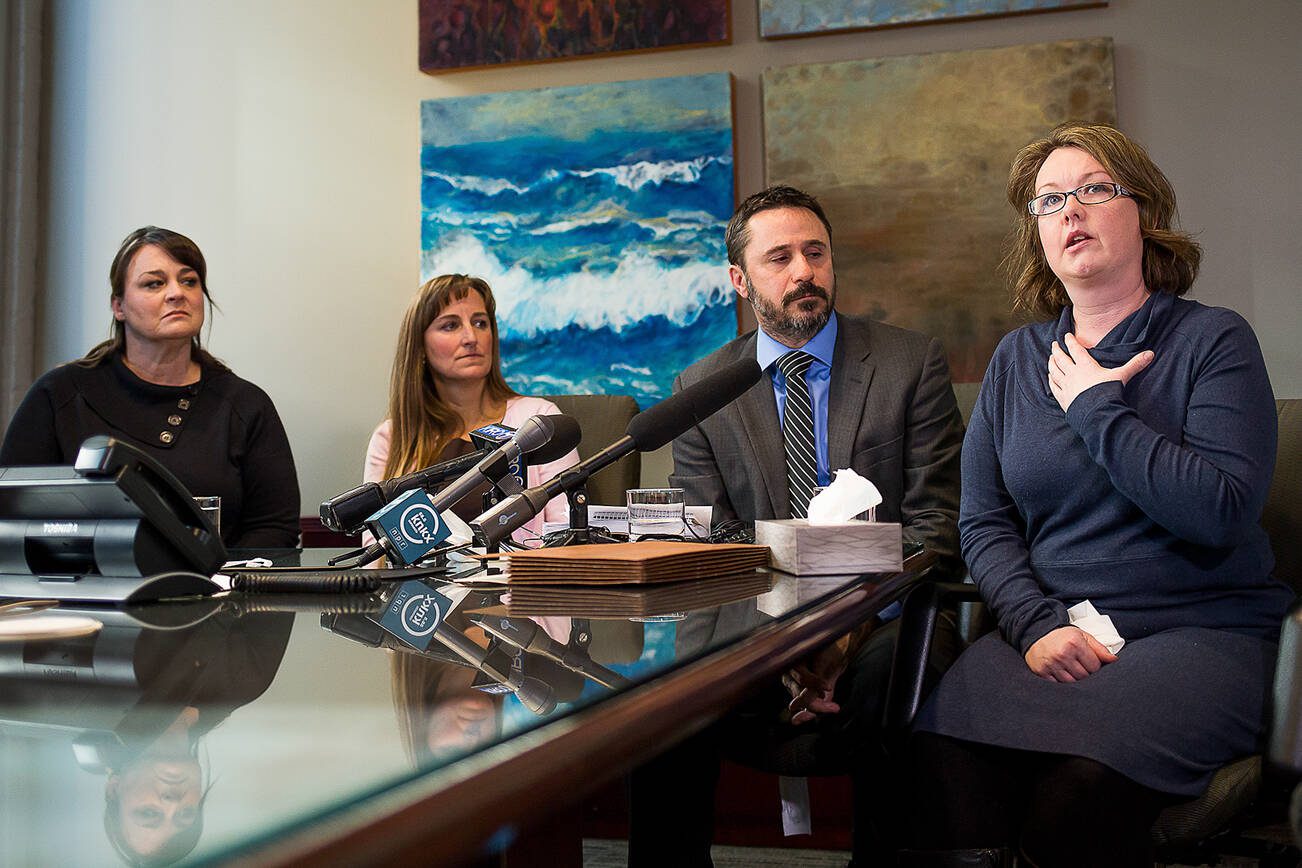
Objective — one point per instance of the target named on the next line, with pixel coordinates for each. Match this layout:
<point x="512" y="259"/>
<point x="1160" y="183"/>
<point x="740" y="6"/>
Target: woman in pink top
<point x="446" y="382"/>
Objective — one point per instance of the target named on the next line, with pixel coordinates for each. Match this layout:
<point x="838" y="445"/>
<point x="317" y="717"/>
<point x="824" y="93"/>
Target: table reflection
<point x="440" y="713"/>
<point x="451" y="697"/>
<point x="134" y="703"/>
<point x="133" y="730"/>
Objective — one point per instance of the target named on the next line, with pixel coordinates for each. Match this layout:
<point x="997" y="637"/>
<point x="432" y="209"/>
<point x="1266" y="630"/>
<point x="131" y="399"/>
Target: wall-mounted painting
<point x="910" y="155"/>
<point x="779" y="18"/>
<point x="597" y="215"/>
<point x="460" y="34"/>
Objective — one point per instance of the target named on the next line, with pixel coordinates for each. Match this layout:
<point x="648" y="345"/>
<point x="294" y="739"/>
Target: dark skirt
<point x="1173" y="708"/>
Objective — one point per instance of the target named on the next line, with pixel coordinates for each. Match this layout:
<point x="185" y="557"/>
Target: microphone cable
<point x="733" y="531"/>
<point x="325" y="604"/>
<point x="343" y="582"/>
<point x="321" y="580"/>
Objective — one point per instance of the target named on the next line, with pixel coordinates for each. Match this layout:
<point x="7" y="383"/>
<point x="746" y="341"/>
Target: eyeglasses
<point x="1090" y="194"/>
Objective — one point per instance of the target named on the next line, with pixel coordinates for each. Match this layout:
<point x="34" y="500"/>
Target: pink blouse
<point x="518" y="409"/>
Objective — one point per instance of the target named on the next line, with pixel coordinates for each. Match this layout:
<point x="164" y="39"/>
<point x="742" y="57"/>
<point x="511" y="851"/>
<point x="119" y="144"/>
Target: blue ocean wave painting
<point x="597" y="215"/>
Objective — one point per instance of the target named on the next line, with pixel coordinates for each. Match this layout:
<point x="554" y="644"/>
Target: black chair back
<point x="603" y="418"/>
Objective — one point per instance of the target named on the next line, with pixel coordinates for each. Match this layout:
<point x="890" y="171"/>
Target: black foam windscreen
<point x="657" y="425"/>
<point x="565" y="436"/>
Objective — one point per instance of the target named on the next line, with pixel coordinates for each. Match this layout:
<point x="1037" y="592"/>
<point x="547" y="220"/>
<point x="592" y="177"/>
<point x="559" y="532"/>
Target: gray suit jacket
<point x="891" y="417"/>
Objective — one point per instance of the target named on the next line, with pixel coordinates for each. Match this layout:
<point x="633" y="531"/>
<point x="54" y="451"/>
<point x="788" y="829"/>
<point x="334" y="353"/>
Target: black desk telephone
<point x="115" y="527"/>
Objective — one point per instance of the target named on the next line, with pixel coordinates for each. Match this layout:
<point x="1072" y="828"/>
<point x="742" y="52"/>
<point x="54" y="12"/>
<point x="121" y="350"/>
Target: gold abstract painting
<point x="782" y="18"/>
<point x="909" y="157"/>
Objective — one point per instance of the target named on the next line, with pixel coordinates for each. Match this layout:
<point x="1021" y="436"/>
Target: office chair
<point x="602" y="419"/>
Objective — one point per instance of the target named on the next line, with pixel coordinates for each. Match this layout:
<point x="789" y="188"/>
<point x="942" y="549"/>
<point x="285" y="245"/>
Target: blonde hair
<point x="1170" y="258"/>
<point x="422" y="424"/>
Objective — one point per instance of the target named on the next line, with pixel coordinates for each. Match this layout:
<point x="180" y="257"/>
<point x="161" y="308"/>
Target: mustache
<point x="807" y="289"/>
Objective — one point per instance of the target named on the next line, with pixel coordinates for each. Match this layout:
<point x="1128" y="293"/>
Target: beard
<point x="800" y="316"/>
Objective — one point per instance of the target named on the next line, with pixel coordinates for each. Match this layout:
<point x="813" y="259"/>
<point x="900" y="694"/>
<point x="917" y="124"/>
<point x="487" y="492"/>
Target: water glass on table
<point x="211" y="507"/>
<point x="656" y="512"/>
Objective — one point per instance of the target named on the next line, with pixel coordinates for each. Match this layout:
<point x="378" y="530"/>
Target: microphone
<point x="492" y="436"/>
<point x="534" y="694"/>
<point x="646" y="432"/>
<point x="407" y="529"/>
<point x="530" y="638"/>
<point x="560" y="433"/>
<point x="347" y="512"/>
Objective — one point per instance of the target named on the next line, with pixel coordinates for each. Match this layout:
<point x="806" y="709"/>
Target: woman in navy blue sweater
<point x="1120" y="452"/>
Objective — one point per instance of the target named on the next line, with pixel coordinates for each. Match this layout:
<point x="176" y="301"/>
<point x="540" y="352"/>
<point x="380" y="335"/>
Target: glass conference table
<point x="268" y="729"/>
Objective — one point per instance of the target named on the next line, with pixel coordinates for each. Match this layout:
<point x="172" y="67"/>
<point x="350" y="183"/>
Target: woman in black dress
<point x="153" y="385"/>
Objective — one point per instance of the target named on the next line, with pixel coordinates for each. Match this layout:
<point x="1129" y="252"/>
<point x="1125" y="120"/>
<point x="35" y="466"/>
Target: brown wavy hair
<point x="1171" y="257"/>
<point x="184" y="251"/>
<point x="422" y="424"/>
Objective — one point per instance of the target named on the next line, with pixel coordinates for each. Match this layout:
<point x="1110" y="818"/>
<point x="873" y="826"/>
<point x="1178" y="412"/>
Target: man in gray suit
<point x="887" y="408"/>
<point x="882" y="404"/>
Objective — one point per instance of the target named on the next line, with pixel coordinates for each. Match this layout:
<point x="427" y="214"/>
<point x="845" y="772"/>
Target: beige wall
<point x="283" y="137"/>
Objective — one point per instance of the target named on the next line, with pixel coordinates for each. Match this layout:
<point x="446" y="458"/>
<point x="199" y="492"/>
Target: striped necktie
<point x="798" y="432"/>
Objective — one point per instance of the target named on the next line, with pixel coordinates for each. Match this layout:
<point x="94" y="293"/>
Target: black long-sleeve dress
<point x="220" y="436"/>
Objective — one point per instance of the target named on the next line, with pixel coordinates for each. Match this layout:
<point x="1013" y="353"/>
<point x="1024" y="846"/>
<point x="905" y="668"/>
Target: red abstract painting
<point x="458" y="34"/>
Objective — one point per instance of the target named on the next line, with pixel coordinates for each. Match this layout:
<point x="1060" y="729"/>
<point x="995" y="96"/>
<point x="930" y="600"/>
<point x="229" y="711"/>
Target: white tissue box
<point x="819" y="550"/>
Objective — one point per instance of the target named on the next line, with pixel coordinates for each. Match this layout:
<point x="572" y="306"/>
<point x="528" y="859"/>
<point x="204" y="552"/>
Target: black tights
<point x="1056" y="810"/>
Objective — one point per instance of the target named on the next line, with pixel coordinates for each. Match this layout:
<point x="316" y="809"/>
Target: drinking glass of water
<point x="656" y="512"/>
<point x="212" y="510"/>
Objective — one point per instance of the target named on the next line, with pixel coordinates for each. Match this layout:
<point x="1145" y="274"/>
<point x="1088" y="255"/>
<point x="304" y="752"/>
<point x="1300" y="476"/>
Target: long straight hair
<point x="422" y="424"/>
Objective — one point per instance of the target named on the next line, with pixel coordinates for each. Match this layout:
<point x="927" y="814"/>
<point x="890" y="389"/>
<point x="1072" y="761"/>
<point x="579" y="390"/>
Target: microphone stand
<point x="579" y="532"/>
<point x="492" y="498"/>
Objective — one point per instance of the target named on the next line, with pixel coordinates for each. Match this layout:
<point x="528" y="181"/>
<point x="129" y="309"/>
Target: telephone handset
<point x="160" y="496"/>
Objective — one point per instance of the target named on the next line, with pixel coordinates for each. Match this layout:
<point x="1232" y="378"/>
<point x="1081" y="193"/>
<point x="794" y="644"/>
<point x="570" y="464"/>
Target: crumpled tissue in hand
<point x="847" y="496"/>
<point x="1084" y="616"/>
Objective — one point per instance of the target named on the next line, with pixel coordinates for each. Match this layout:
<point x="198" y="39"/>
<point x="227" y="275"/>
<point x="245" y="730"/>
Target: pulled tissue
<point x="847" y="496"/>
<point x="461" y="532"/>
<point x="1084" y="616"/>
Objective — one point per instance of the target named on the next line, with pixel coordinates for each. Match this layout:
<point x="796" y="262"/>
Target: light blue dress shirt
<point x="819" y="379"/>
